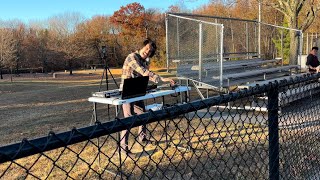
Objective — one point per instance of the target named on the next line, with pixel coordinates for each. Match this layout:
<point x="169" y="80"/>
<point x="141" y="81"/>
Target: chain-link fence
<point x="241" y="38"/>
<point x="221" y="137"/>
<point x="191" y="43"/>
<point x="206" y="48"/>
<point x="310" y="40"/>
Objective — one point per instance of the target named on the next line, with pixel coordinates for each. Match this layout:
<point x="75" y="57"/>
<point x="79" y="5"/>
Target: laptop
<point x="134" y="87"/>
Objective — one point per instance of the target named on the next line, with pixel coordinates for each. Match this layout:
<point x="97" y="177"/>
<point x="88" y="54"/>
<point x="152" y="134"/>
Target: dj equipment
<point x="107" y="94"/>
<point x="116" y="92"/>
<point x="134" y="87"/>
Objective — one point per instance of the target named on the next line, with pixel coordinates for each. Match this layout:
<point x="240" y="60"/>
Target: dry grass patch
<point x="214" y="150"/>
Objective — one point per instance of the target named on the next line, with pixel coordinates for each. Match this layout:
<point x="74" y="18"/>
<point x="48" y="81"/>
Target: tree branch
<point x="278" y="6"/>
<point x="309" y="19"/>
<point x="300" y="5"/>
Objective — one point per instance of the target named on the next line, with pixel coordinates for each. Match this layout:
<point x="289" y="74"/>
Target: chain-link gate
<point x="216" y="138"/>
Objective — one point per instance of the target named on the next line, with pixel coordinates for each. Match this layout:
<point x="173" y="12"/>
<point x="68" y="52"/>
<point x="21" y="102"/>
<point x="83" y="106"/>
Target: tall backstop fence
<point x="221" y="137"/>
<point x="192" y="34"/>
<point x="195" y="43"/>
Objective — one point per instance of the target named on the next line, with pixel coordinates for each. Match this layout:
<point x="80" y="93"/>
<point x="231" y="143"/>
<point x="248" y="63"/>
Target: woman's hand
<point x="168" y="80"/>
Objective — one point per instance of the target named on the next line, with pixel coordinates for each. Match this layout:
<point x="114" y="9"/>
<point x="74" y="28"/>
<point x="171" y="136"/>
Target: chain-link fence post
<point x="273" y="125"/>
<point x="167" y="47"/>
<point x="200" y="50"/>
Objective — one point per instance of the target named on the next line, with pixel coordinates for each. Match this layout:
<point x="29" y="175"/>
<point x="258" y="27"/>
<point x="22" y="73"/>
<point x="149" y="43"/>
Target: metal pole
<point x="255" y="38"/>
<point x="307" y="44"/>
<point x="232" y="38"/>
<point x="200" y="50"/>
<point x="259" y="31"/>
<point x="273" y="128"/>
<point x="221" y="56"/>
<point x="311" y="41"/>
<point x="178" y="39"/>
<point x="217" y="35"/>
<point x="300" y="47"/>
<point x="107" y="78"/>
<point x="247" y="40"/>
<point x="281" y="47"/>
<point x="167" y="40"/>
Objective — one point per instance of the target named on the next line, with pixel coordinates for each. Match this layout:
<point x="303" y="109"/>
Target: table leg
<point x="94" y="113"/>
<point x="119" y="144"/>
<point x="165" y="125"/>
<point x="188" y="124"/>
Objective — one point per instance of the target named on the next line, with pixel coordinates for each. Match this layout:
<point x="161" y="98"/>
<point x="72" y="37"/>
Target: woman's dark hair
<point x="316" y="48"/>
<point x="153" y="45"/>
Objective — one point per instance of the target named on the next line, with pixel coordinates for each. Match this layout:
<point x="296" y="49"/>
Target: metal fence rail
<point x="222" y="137"/>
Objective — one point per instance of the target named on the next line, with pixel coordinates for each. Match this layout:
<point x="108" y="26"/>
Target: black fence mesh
<point x="266" y="132"/>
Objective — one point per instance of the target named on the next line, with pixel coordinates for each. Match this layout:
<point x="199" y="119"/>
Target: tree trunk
<point x="11" y="74"/>
<point x="294" y="47"/>
<point x="44" y="65"/>
<point x="17" y="68"/>
<point x="70" y="67"/>
<point x="1" y="77"/>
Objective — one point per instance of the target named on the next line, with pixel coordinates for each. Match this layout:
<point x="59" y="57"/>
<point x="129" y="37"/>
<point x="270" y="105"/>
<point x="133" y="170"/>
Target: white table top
<point x="118" y="101"/>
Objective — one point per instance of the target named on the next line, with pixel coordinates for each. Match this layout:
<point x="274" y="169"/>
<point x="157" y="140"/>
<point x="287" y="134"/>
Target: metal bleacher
<point x="222" y="54"/>
<point x="235" y="72"/>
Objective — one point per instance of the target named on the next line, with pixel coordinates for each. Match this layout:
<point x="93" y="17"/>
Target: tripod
<point x="106" y="71"/>
<point x="103" y="56"/>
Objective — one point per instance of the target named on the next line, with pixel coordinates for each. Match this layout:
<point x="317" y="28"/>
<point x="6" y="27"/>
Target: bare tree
<point x="8" y="49"/>
<point x="38" y="44"/>
<point x="42" y="36"/>
<point x="96" y="33"/>
<point x="64" y="39"/>
<point x="18" y="28"/>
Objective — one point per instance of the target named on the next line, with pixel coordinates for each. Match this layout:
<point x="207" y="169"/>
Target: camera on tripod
<point x="103" y="56"/>
<point x="103" y="52"/>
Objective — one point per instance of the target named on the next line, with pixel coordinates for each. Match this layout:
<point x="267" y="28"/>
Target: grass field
<point x="34" y="104"/>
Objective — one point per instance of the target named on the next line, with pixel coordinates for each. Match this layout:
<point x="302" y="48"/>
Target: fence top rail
<point x="281" y="27"/>
<point x="228" y="18"/>
<point x="213" y="17"/>
<point x="196" y="20"/>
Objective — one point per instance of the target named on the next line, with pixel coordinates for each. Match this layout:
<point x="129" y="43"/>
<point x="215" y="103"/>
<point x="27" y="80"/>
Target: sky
<point x="29" y="10"/>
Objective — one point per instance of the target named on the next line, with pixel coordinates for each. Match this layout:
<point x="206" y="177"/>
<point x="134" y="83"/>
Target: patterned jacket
<point x="135" y="66"/>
